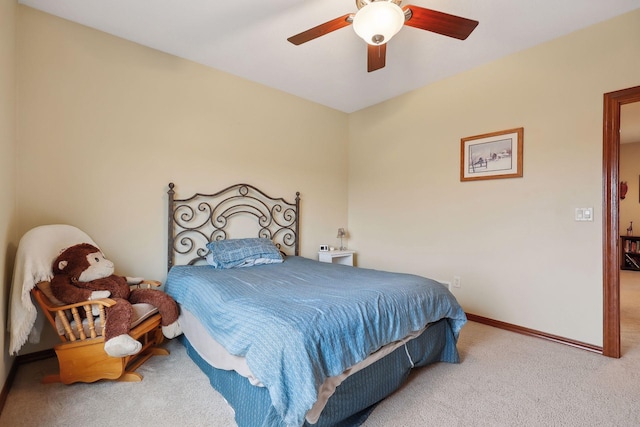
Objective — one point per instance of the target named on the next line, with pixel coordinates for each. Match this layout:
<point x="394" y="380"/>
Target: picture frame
<point x="493" y="155"/>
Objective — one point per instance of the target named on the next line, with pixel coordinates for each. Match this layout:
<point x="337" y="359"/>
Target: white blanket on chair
<point x="37" y="250"/>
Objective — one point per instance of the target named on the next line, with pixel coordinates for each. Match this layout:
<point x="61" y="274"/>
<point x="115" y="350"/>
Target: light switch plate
<point x="584" y="214"/>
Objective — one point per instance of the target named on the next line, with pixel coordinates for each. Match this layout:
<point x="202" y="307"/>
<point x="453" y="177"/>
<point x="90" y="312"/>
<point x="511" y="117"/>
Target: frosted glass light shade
<point x="378" y="21"/>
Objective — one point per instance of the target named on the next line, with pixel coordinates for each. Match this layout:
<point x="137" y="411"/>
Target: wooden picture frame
<point x="492" y="155"/>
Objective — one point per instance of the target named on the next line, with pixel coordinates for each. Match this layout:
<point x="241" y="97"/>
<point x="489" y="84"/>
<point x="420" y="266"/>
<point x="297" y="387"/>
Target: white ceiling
<point x="249" y="39"/>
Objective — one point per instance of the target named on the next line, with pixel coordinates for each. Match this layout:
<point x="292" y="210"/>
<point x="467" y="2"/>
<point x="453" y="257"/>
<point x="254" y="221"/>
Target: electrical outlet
<point x="456" y="282"/>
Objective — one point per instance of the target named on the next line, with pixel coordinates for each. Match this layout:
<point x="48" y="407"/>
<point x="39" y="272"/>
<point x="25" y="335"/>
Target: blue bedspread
<point x="302" y="321"/>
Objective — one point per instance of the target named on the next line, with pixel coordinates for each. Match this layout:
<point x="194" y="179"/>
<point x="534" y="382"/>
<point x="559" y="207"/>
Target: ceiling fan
<point x="376" y="21"/>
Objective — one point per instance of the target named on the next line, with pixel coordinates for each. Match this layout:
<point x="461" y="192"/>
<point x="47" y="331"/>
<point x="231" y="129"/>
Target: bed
<point x="286" y="340"/>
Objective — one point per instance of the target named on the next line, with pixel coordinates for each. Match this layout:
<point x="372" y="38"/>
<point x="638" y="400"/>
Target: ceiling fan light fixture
<point x="378" y="21"/>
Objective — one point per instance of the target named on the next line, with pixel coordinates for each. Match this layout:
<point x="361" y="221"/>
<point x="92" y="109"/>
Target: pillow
<point x="242" y="253"/>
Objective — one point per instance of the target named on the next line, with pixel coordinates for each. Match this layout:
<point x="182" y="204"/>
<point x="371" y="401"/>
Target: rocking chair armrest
<point x="149" y="284"/>
<point x="106" y="302"/>
<point x="42" y="295"/>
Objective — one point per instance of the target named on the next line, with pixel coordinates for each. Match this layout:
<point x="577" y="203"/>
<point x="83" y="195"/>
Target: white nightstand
<point x="337" y="257"/>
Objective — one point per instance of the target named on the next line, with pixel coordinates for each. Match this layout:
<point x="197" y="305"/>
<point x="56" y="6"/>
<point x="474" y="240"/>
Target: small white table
<point x="337" y="257"/>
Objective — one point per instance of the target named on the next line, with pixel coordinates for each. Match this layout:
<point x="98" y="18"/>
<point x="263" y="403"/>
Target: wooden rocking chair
<point x="81" y="355"/>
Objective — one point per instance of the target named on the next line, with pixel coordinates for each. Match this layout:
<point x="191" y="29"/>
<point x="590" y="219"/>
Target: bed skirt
<point x="358" y="394"/>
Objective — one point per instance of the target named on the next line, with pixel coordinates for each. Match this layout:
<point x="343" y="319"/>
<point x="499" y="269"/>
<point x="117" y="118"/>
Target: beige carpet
<point x="505" y="379"/>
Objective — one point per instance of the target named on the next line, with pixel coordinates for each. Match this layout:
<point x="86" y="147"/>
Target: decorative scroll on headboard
<point x="202" y="218"/>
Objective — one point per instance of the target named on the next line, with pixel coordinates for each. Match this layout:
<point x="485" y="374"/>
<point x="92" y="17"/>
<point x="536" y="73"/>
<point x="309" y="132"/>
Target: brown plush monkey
<point x="82" y="273"/>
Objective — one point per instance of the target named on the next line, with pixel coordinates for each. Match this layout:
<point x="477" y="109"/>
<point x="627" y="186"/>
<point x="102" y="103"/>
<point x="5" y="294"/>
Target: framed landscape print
<point x="492" y="155"/>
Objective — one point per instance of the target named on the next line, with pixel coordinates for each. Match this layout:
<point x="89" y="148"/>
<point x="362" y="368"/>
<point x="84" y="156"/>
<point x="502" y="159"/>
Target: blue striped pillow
<point x="242" y="253"/>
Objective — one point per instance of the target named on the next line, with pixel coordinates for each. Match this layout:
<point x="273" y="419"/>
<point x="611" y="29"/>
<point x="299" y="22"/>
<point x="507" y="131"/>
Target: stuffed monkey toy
<point x="82" y="273"/>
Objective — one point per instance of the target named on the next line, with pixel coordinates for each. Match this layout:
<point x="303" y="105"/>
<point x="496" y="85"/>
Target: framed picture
<point x="492" y="155"/>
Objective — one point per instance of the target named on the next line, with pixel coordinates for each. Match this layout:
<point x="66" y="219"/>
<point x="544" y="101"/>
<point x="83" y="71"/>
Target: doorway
<point x="611" y="234"/>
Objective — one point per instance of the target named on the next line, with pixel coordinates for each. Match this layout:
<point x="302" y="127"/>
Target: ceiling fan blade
<point x="439" y="22"/>
<point x="376" y="56"/>
<point x="322" y="29"/>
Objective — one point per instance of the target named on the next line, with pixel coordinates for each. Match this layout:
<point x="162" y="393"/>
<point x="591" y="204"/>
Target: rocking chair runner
<point x="81" y="355"/>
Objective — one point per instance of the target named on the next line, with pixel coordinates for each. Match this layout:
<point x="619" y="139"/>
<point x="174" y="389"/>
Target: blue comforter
<point x="302" y="321"/>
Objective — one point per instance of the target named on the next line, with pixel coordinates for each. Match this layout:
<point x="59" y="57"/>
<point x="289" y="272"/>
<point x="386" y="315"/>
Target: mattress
<point x="301" y="322"/>
<point x="218" y="357"/>
<point x="353" y="400"/>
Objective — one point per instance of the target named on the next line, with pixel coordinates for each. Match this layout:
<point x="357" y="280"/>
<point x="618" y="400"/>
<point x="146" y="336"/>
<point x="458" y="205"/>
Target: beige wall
<point x="629" y="172"/>
<point x="521" y="256"/>
<point x="110" y="123"/>
<point x="106" y="124"/>
<point x="8" y="235"/>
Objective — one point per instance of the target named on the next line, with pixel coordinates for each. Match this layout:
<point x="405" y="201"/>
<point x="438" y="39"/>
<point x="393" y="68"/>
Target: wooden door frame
<point x="611" y="235"/>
